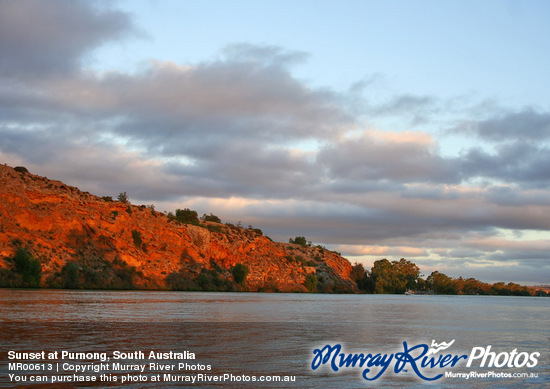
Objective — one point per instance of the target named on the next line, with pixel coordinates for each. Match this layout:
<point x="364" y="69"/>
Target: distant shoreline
<point x="258" y="292"/>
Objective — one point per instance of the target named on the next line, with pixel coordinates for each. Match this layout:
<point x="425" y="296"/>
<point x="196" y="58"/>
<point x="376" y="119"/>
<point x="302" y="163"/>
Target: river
<point x="261" y="336"/>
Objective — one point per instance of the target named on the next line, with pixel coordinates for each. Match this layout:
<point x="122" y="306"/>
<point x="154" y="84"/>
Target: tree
<point x="70" y="275"/>
<point x="21" y="169"/>
<point x="311" y="283"/>
<point x="407" y="271"/>
<point x="298" y="240"/>
<point x="357" y="271"/>
<point x="186" y="216"/>
<point x="211" y="218"/>
<point x="395" y="276"/>
<point x="240" y="272"/>
<point x="441" y="283"/>
<point x="472" y="286"/>
<point x="123" y="198"/>
<point x="28" y="267"/>
<point x="382" y="275"/>
<point x="361" y="277"/>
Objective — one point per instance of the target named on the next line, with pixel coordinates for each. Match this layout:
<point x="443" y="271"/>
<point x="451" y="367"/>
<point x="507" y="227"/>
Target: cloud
<point x="527" y="124"/>
<point x="520" y="162"/>
<point x="40" y="38"/>
<point x="417" y="109"/>
<point x="541" y="246"/>
<point x="98" y="167"/>
<point x="500" y="272"/>
<point x="227" y="127"/>
<point x="401" y="157"/>
<point x="381" y="251"/>
<point x="264" y="55"/>
<point x="507" y="195"/>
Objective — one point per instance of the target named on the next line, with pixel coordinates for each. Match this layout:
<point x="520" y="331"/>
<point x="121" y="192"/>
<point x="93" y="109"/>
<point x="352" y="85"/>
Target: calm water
<point x="274" y="334"/>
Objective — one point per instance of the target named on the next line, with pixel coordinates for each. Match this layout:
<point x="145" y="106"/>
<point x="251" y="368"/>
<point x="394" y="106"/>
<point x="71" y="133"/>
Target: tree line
<point x="401" y="276"/>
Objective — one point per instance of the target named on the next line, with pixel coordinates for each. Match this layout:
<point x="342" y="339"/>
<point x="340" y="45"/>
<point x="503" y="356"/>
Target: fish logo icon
<point x="435" y="348"/>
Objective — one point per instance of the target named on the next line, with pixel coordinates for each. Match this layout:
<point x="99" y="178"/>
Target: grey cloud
<point x="526" y="125"/>
<point x="247" y="169"/>
<point x="102" y="169"/>
<point x="521" y="162"/>
<point x="492" y="273"/>
<point x="519" y="273"/>
<point x="366" y="158"/>
<point x="24" y="103"/>
<point x="406" y="104"/>
<point x="172" y="109"/>
<point x="265" y="55"/>
<point x="341" y="222"/>
<point x="428" y="192"/>
<point x="464" y="253"/>
<point x="513" y="196"/>
<point x="50" y="37"/>
<point x="527" y="257"/>
<point x="387" y="216"/>
<point x="228" y="99"/>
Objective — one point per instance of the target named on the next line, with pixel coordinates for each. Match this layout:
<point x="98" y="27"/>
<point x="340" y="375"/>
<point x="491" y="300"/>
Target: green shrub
<point x="21" y="169"/>
<point x="311" y="283"/>
<point x="298" y="240"/>
<point x="28" y="267"/>
<point x="214" y="228"/>
<point x="123" y="198"/>
<point x="6" y="279"/>
<point x="207" y="280"/>
<point x="256" y="230"/>
<point x="240" y="272"/>
<point x="181" y="281"/>
<point x="70" y="275"/>
<point x="211" y="218"/>
<point x="300" y="259"/>
<point x="136" y="236"/>
<point x="186" y="216"/>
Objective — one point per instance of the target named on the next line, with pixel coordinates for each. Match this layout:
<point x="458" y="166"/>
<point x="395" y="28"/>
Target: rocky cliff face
<point x="84" y="241"/>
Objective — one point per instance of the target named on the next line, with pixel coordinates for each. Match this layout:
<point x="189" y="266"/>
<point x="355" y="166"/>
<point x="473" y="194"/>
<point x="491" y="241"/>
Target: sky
<point x="379" y="129"/>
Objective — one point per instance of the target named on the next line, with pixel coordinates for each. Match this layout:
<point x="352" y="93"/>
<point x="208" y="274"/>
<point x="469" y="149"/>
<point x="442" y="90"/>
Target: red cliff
<point x="85" y="241"/>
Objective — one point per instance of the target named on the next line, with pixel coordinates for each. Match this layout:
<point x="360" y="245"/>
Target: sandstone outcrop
<point x="86" y="241"/>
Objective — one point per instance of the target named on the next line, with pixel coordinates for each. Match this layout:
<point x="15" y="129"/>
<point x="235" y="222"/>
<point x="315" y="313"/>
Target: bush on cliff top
<point x="211" y="218"/>
<point x="123" y="198"/>
<point x="21" y="169"/>
<point x="301" y="240"/>
<point x="186" y="216"/>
